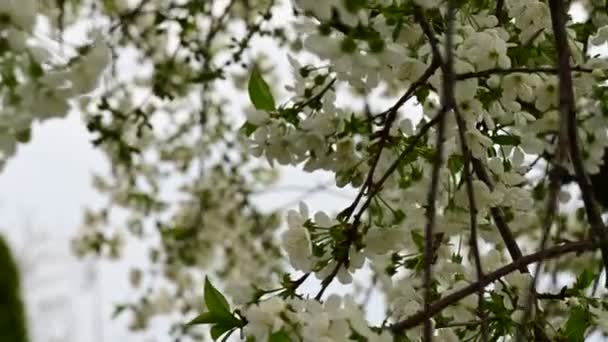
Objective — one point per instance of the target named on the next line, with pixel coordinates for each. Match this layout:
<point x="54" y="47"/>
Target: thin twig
<point x="447" y="105"/>
<point x="500" y="12"/>
<point x="561" y="295"/>
<point x="392" y="113"/>
<point x="450" y="103"/>
<point x="369" y="182"/>
<point x="325" y="283"/>
<point x="472" y="215"/>
<point x="523" y="70"/>
<point x="393" y="167"/>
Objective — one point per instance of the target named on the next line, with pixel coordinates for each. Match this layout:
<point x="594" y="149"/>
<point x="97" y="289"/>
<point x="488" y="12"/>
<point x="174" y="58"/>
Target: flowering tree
<point x="457" y="212"/>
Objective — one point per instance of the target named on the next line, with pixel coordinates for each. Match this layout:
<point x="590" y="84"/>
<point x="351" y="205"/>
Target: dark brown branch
<point x="369" y="182"/>
<point x="453" y="298"/>
<point x="561" y="295"/>
<point x="318" y="96"/>
<point x="568" y="113"/>
<point x="450" y="100"/>
<point x="500" y="13"/>
<point x="468" y="177"/>
<point x="392" y="113"/>
<point x="501" y="71"/>
<point x="498" y="216"/>
<point x="325" y="283"/>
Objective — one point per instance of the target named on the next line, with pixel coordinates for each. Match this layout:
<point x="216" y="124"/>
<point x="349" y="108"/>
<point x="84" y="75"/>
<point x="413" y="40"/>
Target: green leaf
<point x="455" y="163"/>
<point x="422" y="93"/>
<point x="577" y="324"/>
<point x="418" y="240"/>
<point x="24" y="135"/>
<point x="118" y="309"/>
<point x="399" y="216"/>
<point x="217" y="303"/>
<point x="584" y="280"/>
<point x="337" y="233"/>
<point x="35" y="68"/>
<point x="412" y="263"/>
<point x="248" y="128"/>
<point x="177" y="233"/>
<point x="583" y="30"/>
<point x="279" y="336"/>
<point x="506" y="140"/>
<point x="204" y="318"/>
<point x="259" y="92"/>
<point x="218" y="330"/>
<point x="109" y="5"/>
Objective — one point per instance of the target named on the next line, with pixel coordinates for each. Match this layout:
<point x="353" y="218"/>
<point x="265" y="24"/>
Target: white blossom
<point x="263" y="319"/>
<point x="600" y="37"/>
<point x="298" y="246"/>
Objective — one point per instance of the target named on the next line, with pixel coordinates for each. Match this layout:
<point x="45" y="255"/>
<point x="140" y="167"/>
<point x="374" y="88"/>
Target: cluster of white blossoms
<point x="510" y="117"/>
<point x="337" y="319"/>
<point x="33" y="84"/>
<point x="20" y="14"/>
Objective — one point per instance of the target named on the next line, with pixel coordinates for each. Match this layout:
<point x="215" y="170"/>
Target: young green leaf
<point x="248" y="128"/>
<point x="455" y="163"/>
<point x="218" y="330"/>
<point x="584" y="280"/>
<point x="259" y="92"/>
<point x="216" y="302"/>
<point x="506" y="140"/>
<point x="204" y="318"/>
<point x="418" y="239"/>
<point x="577" y="324"/>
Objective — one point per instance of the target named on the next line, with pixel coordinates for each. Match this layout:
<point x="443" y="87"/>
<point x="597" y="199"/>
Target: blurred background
<point x="45" y="189"/>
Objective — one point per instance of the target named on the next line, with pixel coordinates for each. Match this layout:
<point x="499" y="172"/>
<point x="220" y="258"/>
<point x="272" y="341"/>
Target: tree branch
<point x="448" y="104"/>
<point x="568" y="113"/>
<point x="472" y="214"/>
<point x="501" y="71"/>
<point x="567" y="138"/>
<point x="441" y="304"/>
<point x="369" y="185"/>
<point x="500" y="13"/>
<point x="499" y="217"/>
<point x="392" y="113"/>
